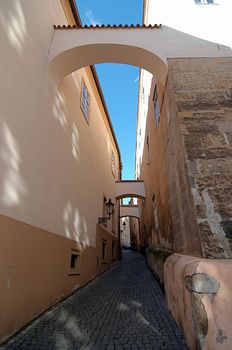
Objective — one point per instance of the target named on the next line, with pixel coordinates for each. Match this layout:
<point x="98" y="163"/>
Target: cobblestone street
<point x="122" y="309"/>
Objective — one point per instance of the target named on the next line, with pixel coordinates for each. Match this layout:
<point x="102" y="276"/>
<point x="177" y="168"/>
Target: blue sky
<point x="119" y="82"/>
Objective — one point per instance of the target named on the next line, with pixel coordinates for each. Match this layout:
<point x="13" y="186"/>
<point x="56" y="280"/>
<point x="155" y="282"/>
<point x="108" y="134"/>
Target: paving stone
<point x="122" y="309"/>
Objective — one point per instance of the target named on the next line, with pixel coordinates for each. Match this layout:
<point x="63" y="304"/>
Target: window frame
<point x="76" y="269"/>
<point x="113" y="164"/>
<point x="148" y="148"/>
<point x="113" y="249"/>
<point x="85" y="114"/>
<point x="205" y="2"/>
<point x="156" y="106"/>
<point x="103" y="251"/>
<point x="104" y="211"/>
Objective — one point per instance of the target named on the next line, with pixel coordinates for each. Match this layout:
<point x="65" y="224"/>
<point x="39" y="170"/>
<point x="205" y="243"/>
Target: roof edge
<point x="108" y="26"/>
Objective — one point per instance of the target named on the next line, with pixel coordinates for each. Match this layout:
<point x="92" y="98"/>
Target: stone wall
<point x="203" y="96"/>
<point x="155" y="223"/>
<point x="156" y="259"/>
<point x="185" y="231"/>
<point x="168" y="218"/>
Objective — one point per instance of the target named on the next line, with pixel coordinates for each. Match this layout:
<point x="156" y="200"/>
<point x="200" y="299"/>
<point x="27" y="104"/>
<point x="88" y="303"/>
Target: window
<point x="113" y="248"/>
<point x="113" y="164"/>
<point x="156" y="107"/>
<point x="205" y="2"/>
<point x="148" y="150"/>
<point x="103" y="250"/>
<point x="113" y="223"/>
<point x="104" y="211"/>
<point x="74" y="263"/>
<point x="85" y="101"/>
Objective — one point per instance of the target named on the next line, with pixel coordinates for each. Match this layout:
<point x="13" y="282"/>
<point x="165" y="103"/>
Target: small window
<point x="113" y="164"/>
<point x="113" y="250"/>
<point x="113" y="223"/>
<point x="74" y="263"/>
<point x="104" y="211"/>
<point x="85" y="101"/>
<point x="156" y="107"/>
<point x="103" y="250"/>
<point x="148" y="150"/>
<point x="205" y="2"/>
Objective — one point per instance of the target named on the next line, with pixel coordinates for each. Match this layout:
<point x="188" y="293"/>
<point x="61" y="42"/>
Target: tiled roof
<point x="114" y="26"/>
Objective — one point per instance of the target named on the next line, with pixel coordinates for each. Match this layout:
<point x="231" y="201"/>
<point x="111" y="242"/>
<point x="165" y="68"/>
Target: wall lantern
<point x="109" y="211"/>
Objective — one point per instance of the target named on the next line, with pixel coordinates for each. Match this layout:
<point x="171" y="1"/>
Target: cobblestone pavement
<point x="124" y="308"/>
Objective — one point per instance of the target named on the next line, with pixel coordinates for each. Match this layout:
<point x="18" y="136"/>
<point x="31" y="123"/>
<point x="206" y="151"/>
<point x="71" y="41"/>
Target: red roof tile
<point x="103" y="26"/>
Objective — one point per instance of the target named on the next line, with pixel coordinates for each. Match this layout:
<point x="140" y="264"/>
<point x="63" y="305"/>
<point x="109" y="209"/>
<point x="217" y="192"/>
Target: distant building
<point x="125" y="232"/>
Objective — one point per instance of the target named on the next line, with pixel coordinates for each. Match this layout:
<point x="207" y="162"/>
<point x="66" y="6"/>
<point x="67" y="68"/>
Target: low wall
<point x="156" y="259"/>
<point x="198" y="293"/>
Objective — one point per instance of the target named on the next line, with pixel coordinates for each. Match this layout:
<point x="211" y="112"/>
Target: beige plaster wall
<point x="54" y="166"/>
<point x="129" y="210"/>
<point x="35" y="270"/>
<point x="127" y="188"/>
<point x="199" y="298"/>
<point x="55" y="169"/>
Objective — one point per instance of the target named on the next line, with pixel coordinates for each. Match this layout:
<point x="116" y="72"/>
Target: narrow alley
<point x="124" y="308"/>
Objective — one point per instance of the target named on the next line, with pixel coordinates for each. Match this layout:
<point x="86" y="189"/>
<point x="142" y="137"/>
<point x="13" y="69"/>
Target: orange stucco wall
<point x="199" y="298"/>
<point x="55" y="169"/>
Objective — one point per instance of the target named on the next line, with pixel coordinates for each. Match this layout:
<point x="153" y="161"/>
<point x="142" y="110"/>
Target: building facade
<point x="183" y="155"/>
<point x="59" y="161"/>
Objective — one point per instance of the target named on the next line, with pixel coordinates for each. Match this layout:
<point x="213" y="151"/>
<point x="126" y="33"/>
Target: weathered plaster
<point x="199" y="297"/>
<point x="202" y="90"/>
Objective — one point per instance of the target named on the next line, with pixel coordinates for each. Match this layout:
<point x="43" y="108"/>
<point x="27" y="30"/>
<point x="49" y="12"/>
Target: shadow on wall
<point x="42" y="153"/>
<point x="75" y="225"/>
<point x="61" y="116"/>
<point x="24" y="136"/>
<point x="14" y="24"/>
<point x="26" y="176"/>
<point x="12" y="185"/>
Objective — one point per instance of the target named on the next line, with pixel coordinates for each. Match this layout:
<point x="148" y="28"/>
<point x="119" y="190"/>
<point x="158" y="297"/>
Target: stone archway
<point x="129" y="188"/>
<point x="148" y="47"/>
<point x="74" y="48"/>
<point x="129" y="211"/>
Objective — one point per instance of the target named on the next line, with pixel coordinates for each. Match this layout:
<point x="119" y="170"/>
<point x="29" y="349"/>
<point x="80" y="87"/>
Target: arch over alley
<point x="129" y="211"/>
<point x="74" y="48"/>
<point x="147" y="47"/>
<point x="129" y="188"/>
